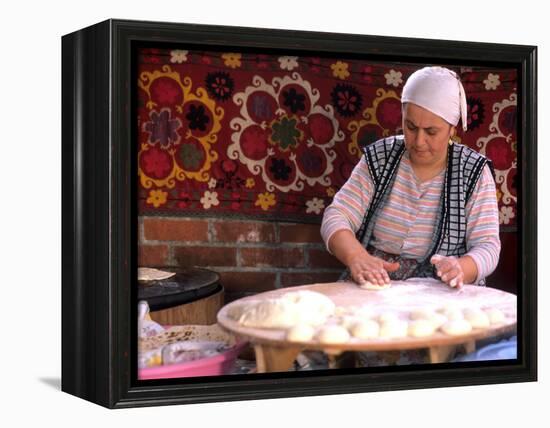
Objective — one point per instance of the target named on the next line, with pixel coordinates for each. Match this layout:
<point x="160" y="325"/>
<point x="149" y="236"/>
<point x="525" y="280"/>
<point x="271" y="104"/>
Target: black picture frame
<point x="99" y="215"/>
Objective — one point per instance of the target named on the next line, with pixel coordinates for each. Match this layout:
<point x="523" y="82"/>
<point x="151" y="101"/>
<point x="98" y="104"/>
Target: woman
<point x="418" y="205"/>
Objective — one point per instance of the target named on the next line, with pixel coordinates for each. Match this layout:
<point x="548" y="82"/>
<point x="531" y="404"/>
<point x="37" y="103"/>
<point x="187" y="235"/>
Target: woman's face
<point x="426" y="136"/>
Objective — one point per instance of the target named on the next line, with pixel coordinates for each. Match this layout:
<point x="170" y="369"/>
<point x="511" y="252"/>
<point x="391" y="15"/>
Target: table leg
<point x="341" y="360"/>
<point x="274" y="359"/>
<point x="442" y="354"/>
<point x="470" y="346"/>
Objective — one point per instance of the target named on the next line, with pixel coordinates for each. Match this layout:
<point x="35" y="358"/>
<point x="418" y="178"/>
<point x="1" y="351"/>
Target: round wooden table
<point x="192" y="296"/>
<point x="275" y="353"/>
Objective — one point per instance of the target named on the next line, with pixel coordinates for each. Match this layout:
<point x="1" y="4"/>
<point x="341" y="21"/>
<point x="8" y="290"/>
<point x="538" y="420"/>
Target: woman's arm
<point x="342" y="219"/>
<point x="469" y="269"/>
<point x="482" y="228"/>
<point x="482" y="238"/>
<point x="363" y="266"/>
<point x="455" y="271"/>
<point x="349" y="205"/>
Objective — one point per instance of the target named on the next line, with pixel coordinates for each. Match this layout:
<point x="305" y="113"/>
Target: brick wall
<point x="250" y="256"/>
<point x="255" y="256"/>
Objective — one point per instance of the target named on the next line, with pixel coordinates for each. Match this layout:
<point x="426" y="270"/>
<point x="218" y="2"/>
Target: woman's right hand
<point x="367" y="268"/>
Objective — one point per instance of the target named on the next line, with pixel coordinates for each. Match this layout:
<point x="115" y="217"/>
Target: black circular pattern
<point x="280" y="169"/>
<point x="219" y="85"/>
<point x="346" y="100"/>
<point x="197" y="117"/>
<point x="294" y="100"/>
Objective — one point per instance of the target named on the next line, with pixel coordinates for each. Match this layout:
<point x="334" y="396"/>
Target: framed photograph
<point x="202" y="167"/>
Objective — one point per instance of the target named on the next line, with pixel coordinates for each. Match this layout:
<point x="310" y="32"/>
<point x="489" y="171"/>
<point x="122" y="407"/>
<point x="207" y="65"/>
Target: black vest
<point x="464" y="167"/>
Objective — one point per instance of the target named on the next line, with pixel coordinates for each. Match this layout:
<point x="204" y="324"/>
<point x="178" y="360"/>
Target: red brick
<point x="175" y="230"/>
<point x="229" y="297"/>
<point x="305" y="233"/>
<point x="152" y="255"/>
<point x="272" y="257"/>
<point x="323" y="259"/>
<point x="239" y="231"/>
<point x="290" y="279"/>
<point x="250" y="282"/>
<point x="205" y="256"/>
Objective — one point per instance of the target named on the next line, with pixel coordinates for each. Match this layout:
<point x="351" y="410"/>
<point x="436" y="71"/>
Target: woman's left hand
<point x="449" y="270"/>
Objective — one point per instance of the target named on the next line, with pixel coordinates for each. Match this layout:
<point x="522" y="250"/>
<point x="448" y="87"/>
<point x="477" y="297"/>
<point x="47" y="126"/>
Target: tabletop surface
<point x="186" y="285"/>
<point x="401" y="298"/>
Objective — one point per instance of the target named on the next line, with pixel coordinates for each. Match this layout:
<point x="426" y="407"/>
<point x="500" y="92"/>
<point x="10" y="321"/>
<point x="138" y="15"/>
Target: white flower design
<point x="394" y="78"/>
<point x="209" y="199"/>
<point x="506" y="214"/>
<point x="492" y="81"/>
<point x="315" y="205"/>
<point x="288" y="62"/>
<point x="178" y="56"/>
<point x="212" y="183"/>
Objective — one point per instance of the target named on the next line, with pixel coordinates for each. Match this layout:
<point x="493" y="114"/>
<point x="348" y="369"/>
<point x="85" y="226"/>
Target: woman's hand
<point x="449" y="270"/>
<point x="366" y="268"/>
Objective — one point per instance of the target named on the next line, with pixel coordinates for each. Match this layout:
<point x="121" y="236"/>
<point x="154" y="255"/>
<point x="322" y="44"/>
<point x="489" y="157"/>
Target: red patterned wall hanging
<point x="274" y="137"/>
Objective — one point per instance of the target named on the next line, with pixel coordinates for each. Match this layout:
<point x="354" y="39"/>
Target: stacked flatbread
<point x="152" y="274"/>
<point x="180" y="344"/>
<point x="186" y="333"/>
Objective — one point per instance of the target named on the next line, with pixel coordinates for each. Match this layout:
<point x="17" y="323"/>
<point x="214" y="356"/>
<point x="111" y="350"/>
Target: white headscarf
<point x="438" y="90"/>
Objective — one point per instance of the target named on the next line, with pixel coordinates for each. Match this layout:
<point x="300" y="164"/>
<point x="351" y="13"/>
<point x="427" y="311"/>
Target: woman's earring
<point x="451" y="141"/>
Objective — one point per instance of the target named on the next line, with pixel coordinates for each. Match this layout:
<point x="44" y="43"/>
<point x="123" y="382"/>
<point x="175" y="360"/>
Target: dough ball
<point x="300" y="333"/>
<point x="367" y="285"/>
<point x="388" y="316"/>
<point x="363" y="312"/>
<point x="270" y="313"/>
<point x="422" y="314"/>
<point x="449" y="307"/>
<point x="437" y="319"/>
<point x="456" y="327"/>
<point x="365" y="329"/>
<point x="341" y="310"/>
<point x="393" y="329"/>
<point x="333" y="334"/>
<point x="347" y="321"/>
<point x="452" y="312"/>
<point x="496" y="316"/>
<point x="477" y="317"/>
<point x="421" y="328"/>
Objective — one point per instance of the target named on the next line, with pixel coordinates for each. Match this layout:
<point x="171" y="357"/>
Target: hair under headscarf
<point x="439" y="90"/>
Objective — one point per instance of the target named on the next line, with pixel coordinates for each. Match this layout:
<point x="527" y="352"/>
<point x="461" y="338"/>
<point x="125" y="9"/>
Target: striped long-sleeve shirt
<point x="407" y="222"/>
